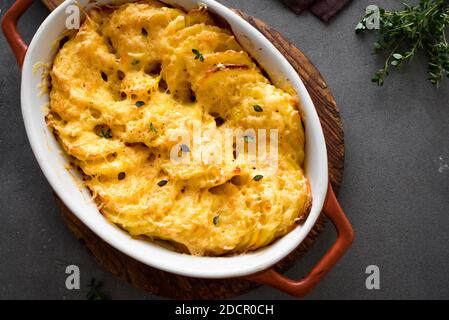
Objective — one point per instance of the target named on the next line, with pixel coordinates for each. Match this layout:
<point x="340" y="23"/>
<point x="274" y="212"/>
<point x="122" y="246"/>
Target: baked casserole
<point x="131" y="83"/>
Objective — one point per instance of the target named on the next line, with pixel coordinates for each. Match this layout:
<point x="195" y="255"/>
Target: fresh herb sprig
<point x="403" y="33"/>
<point x="95" y="292"/>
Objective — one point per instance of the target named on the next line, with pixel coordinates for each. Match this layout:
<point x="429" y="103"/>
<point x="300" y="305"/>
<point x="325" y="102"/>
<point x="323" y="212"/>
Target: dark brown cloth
<point x="323" y="9"/>
<point x="327" y="9"/>
<point x="298" y="6"/>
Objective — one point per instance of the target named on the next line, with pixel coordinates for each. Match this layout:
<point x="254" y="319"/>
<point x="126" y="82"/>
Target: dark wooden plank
<point x="52" y="4"/>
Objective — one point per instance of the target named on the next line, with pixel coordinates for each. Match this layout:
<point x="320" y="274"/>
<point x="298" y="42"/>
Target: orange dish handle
<point x="9" y="26"/>
<point x="345" y="236"/>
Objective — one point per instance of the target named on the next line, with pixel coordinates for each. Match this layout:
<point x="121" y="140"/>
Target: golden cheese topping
<point x="137" y="77"/>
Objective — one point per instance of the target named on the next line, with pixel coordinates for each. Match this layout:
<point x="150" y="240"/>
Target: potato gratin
<point x="135" y="78"/>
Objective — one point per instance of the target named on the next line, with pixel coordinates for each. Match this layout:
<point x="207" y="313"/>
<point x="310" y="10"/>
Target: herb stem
<point x="422" y="26"/>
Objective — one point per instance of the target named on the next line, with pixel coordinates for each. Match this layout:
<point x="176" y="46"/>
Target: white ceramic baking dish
<point x="255" y="265"/>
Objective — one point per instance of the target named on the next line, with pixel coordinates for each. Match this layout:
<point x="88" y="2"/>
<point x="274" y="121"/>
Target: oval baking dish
<point x="253" y="265"/>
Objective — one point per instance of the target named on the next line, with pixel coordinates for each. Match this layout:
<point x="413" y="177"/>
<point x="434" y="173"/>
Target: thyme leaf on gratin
<point x="258" y="177"/>
<point x="140" y="104"/>
<point x="198" y="55"/>
<point x="106" y="133"/>
<point x="152" y="128"/>
<point x="257" y="108"/>
<point x="104" y="76"/>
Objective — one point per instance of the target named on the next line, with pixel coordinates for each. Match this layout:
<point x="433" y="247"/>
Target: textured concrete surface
<point x="395" y="190"/>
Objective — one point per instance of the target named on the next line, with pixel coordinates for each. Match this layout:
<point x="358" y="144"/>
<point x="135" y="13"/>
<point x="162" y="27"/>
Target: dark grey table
<point x="395" y="189"/>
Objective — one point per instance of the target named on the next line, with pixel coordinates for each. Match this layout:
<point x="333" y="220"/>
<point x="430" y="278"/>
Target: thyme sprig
<point x="403" y="33"/>
<point x="95" y="291"/>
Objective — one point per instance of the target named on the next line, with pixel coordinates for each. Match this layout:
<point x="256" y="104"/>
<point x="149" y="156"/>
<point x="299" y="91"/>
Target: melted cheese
<point x="124" y="88"/>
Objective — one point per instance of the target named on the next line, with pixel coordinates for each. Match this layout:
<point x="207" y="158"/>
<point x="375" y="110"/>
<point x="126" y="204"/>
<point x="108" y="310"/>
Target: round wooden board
<point x="179" y="287"/>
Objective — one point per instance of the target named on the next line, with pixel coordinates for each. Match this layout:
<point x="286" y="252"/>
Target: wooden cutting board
<point x="173" y="286"/>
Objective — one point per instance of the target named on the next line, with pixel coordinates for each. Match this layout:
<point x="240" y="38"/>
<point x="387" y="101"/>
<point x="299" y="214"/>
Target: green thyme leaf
<point x="95" y="292"/>
<point x="257" y="108"/>
<point x="258" y="177"/>
<point x="152" y="128"/>
<point x="216" y="219"/>
<point x="134" y="62"/>
<point x="359" y="27"/>
<point x="140" y="104"/>
<point x="198" y="55"/>
<point x="106" y="133"/>
<point x="104" y="76"/>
